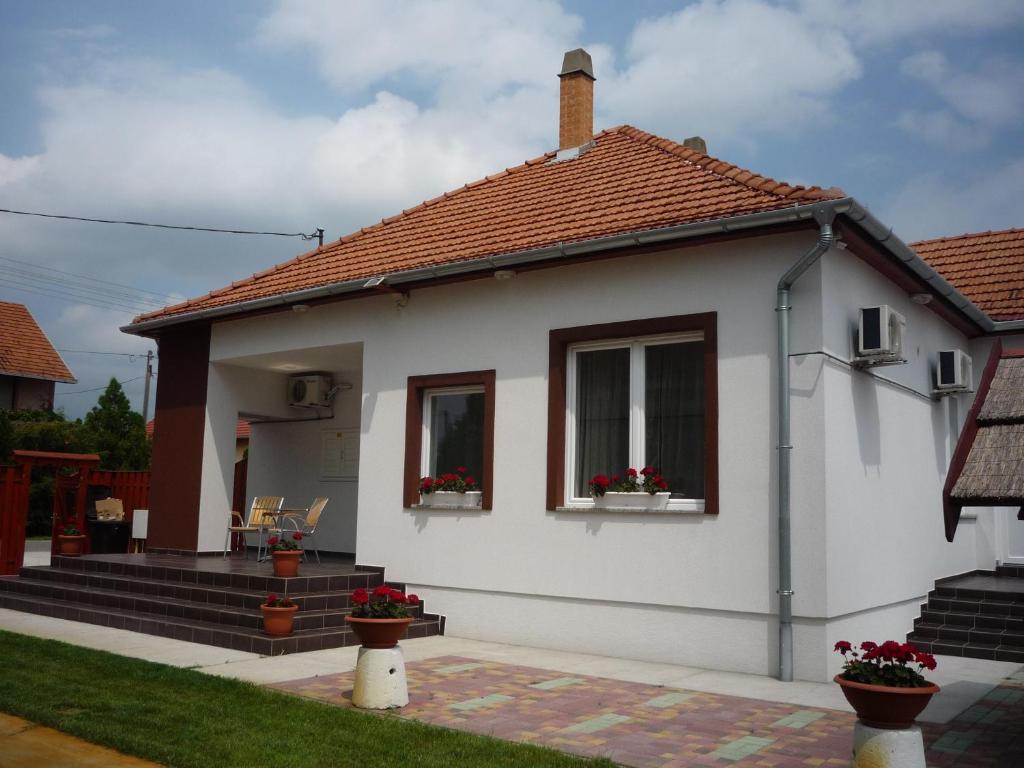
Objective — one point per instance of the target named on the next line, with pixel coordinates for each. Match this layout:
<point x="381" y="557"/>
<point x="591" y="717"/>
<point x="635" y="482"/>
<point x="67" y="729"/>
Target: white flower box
<point x="452" y="499"/>
<point x="632" y="500"/>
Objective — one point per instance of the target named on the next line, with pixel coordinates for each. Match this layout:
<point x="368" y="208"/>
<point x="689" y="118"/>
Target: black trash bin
<point x="109" y="536"/>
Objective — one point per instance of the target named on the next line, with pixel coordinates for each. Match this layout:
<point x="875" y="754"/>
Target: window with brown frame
<point x="449" y="422"/>
<point x="636" y="393"/>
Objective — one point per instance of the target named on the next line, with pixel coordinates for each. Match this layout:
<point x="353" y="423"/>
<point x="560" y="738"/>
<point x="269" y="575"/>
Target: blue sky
<point x="293" y="115"/>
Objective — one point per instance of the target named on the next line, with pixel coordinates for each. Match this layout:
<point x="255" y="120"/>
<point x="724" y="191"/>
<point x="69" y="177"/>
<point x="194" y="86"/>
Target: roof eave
<point x="40" y="377"/>
<point x="796" y="213"/>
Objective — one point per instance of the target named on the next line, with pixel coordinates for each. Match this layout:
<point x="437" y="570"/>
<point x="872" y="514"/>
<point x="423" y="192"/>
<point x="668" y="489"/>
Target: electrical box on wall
<point x="953" y="372"/>
<point x="311" y="390"/>
<point x="880" y="336"/>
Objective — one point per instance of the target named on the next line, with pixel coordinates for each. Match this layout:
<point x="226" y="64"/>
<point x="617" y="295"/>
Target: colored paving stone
<point x="646" y="726"/>
<point x="798" y="719"/>
<point x="560" y="682"/>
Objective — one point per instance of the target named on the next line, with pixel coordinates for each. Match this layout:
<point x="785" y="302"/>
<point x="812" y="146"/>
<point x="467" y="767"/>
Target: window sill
<point x="446" y="508"/>
<point x="592" y="510"/>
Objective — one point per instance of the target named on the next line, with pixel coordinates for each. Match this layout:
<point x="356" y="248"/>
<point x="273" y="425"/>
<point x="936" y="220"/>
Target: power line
<point x="97" y="389"/>
<point x="50" y="274"/>
<point x="56" y="283"/>
<point x="70" y="299"/>
<point x="95" y="352"/>
<point x="43" y="268"/>
<point x="317" y="234"/>
<point x="57" y="291"/>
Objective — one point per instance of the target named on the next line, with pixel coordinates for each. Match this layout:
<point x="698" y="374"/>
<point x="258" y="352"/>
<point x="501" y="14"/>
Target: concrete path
<point x="27" y="745"/>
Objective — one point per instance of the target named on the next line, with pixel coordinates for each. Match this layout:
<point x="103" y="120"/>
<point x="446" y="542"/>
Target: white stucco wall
<point x="698" y="589"/>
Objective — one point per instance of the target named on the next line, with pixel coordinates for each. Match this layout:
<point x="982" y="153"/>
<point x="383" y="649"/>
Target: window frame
<point x="475" y="389"/>
<point x="415" y="427"/>
<point x="611" y="335"/>
<point x="637" y="346"/>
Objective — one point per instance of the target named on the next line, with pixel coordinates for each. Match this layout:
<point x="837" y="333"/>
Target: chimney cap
<point x="577" y="60"/>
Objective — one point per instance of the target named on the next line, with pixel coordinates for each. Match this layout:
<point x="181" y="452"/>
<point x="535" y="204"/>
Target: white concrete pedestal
<point x="380" y="679"/>
<point x="878" y="748"/>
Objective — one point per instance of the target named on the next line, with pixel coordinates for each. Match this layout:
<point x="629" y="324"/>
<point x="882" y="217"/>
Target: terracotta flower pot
<point x="278" y="621"/>
<point x="286" y="562"/>
<point x="886" y="706"/>
<point x="70" y="546"/>
<point x="379" y="633"/>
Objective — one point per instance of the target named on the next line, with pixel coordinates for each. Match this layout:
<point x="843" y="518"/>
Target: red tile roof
<point x="243" y="430"/>
<point x="986" y="267"/>
<point x="627" y="181"/>
<point x="24" y="348"/>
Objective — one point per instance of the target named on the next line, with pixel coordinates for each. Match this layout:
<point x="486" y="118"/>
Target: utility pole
<point x="145" y="394"/>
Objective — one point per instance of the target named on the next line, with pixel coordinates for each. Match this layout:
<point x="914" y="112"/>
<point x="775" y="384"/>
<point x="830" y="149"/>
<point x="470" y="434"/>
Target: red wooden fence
<point x="13" y="498"/>
<point x="132" y="488"/>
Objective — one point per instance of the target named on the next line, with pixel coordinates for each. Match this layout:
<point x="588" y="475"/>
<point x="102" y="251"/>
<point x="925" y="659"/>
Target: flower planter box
<point x="286" y="562"/>
<point x="379" y="633"/>
<point x="278" y="622"/>
<point x="634" y="500"/>
<point x="467" y="500"/>
<point x="885" y="706"/>
<point x="70" y="546"/>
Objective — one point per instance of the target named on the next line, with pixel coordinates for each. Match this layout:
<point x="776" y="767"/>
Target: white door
<point x="1013" y="536"/>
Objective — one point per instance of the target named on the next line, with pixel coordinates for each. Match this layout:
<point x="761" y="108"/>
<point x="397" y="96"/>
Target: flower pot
<point x="886" y="706"/>
<point x="70" y="546"/>
<point x="379" y="633"/>
<point x="278" y="621"/>
<point x="286" y="561"/>
<point x="467" y="500"/>
<point x="632" y="500"/>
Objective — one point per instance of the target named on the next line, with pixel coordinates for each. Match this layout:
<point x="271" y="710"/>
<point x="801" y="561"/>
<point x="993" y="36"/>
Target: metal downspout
<point x="824" y="216"/>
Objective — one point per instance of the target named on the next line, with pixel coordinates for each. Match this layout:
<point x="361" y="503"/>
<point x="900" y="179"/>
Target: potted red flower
<point x="285" y="553"/>
<point x="630" y="491"/>
<point x="70" y="541"/>
<point x="882" y="686"/>
<point x="452" y="489"/>
<point x="278" y="615"/>
<point x="381" y="618"/>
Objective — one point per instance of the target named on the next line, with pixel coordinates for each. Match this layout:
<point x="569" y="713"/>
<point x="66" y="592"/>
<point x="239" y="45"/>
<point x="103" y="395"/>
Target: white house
<point x="612" y="304"/>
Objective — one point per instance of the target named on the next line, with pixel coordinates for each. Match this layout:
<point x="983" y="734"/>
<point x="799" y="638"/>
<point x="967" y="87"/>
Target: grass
<point x="187" y="719"/>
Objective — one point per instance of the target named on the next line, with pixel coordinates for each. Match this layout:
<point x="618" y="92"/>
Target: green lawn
<point x="184" y="718"/>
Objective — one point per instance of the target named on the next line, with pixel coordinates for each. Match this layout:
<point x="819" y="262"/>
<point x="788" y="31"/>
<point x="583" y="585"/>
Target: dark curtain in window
<point x="674" y="415"/>
<point x="457" y="433"/>
<point x="602" y="415"/>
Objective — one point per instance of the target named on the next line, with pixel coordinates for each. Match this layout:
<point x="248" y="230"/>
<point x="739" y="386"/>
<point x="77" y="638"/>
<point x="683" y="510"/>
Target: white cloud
<point x="993" y="95"/>
<point x="943" y="128"/>
<point x="938" y="204"/>
<point x="14" y="169"/>
<point x="881" y="22"/>
<point x="729" y="68"/>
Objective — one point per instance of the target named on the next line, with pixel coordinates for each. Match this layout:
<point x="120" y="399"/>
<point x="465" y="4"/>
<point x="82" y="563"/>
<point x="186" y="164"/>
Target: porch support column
<point x="219" y="456"/>
<point x="179" y="429"/>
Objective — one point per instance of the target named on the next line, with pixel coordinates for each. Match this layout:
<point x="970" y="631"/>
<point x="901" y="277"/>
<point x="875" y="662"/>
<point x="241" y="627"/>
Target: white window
<point x="633" y="403"/>
<point x="453" y="431"/>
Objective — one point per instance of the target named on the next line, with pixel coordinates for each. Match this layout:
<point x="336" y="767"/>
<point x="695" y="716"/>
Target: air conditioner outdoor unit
<point x="880" y="334"/>
<point x="311" y="390"/>
<point x="953" y="373"/>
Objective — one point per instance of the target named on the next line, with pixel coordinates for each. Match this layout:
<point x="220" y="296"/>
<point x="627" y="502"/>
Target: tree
<point x="116" y="432"/>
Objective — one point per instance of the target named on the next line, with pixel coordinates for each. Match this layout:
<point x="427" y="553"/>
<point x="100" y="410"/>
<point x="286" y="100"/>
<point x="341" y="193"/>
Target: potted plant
<point x="70" y="541"/>
<point x="882" y="686"/>
<point x="452" y="489"/>
<point x="278" y="615"/>
<point x="381" y="618"/>
<point x="629" y="491"/>
<point x="285" y="553"/>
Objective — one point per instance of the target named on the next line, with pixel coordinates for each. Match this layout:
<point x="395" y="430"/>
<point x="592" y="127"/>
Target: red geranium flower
<point x="843" y="646"/>
<point x="461" y="470"/>
<point x="271" y="599"/>
<point x="648" y="470"/>
<point x="382" y="591"/>
<point x="470" y="481"/>
<point x="413" y="599"/>
<point x="631" y="472"/>
<point x="601" y="480"/>
<point x="360" y="597"/>
<point x="272" y="541"/>
<point x="616" y="478"/>
<point x="297" y="536"/>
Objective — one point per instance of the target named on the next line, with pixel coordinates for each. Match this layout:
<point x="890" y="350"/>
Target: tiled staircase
<point x="201" y="600"/>
<point x="980" y="616"/>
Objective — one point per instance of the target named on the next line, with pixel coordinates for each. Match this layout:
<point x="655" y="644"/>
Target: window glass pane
<point x="602" y="415"/>
<point x="674" y="415"/>
<point x="457" y="433"/>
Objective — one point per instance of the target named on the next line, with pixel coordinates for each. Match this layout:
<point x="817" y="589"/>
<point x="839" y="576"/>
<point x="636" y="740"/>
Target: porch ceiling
<point x="339" y="358"/>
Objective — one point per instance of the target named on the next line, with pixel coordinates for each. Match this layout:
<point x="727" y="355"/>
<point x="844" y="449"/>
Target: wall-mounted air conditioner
<point x="880" y="335"/>
<point x="311" y="390"/>
<point x="953" y="372"/>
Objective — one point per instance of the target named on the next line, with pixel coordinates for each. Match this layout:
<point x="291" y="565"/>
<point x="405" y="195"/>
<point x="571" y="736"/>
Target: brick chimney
<point x="576" y="100"/>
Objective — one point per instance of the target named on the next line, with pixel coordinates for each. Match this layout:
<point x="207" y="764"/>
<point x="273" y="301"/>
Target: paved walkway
<point x="656" y="727"/>
<point x="27" y="745"/>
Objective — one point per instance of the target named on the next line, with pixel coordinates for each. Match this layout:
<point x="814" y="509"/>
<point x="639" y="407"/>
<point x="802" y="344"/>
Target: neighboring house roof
<point x="242" y="429"/>
<point x="627" y="181"/>
<point x="988" y="465"/>
<point x="25" y="350"/>
<point x="987" y="267"/>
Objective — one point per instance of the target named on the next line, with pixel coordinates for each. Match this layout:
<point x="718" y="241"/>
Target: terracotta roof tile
<point x="627" y="181"/>
<point x="24" y="348"/>
<point x="986" y="267"/>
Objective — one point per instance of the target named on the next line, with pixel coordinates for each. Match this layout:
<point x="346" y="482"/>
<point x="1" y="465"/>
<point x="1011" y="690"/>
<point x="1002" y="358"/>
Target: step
<point x="207" y="633"/>
<point x="1010" y="570"/>
<point x="219" y="596"/>
<point x="987" y="606"/>
<point x="961" y="634"/>
<point x="235" y="581"/>
<point x="1006" y="590"/>
<point x="969" y="649"/>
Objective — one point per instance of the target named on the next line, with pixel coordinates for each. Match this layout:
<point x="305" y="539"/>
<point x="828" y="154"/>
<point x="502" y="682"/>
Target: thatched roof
<point x="987" y="468"/>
